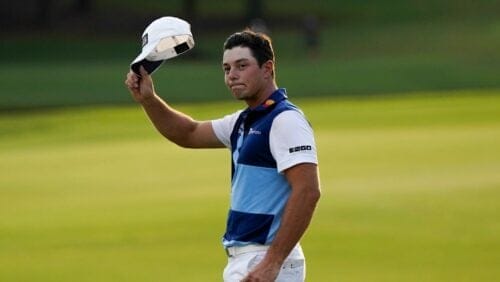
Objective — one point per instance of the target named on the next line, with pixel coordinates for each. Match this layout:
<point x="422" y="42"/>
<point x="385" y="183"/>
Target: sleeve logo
<point x="300" y="148"/>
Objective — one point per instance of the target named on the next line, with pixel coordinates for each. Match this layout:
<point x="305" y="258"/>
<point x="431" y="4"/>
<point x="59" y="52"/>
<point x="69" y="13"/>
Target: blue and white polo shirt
<point x="264" y="142"/>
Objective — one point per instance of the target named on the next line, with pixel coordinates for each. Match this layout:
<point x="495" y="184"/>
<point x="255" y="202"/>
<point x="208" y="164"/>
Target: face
<point x="243" y="76"/>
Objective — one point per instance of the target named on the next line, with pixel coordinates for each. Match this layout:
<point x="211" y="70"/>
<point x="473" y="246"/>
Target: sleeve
<point x="292" y="140"/>
<point x="224" y="126"/>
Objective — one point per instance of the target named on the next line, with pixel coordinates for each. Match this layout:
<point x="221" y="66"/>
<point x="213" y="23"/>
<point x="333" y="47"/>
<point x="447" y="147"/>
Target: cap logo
<point x="144" y="40"/>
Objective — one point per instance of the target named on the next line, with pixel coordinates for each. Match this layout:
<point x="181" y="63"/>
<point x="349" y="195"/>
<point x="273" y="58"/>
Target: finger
<point x="131" y="83"/>
<point x="133" y="79"/>
<point x="128" y="80"/>
<point x="143" y="71"/>
<point x="133" y="75"/>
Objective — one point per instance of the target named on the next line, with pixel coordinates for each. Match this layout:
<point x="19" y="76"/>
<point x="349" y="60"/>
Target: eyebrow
<point x="237" y="61"/>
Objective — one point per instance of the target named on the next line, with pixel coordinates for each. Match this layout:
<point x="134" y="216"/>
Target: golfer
<point x="275" y="178"/>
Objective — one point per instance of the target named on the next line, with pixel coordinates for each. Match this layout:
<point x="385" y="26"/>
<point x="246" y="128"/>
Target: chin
<point x="239" y="95"/>
<point x="240" y="98"/>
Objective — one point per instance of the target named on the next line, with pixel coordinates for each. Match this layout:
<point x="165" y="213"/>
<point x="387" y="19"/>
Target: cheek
<point x="250" y="76"/>
<point x="256" y="78"/>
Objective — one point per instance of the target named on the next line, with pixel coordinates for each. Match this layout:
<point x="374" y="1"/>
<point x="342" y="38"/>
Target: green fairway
<point x="411" y="190"/>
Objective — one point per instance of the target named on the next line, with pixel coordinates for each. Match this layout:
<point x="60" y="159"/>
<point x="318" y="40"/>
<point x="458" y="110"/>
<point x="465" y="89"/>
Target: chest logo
<point x="254" y="132"/>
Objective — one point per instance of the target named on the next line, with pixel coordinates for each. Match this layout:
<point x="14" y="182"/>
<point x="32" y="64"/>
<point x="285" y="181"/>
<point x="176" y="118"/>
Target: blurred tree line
<point x="50" y="14"/>
<point x="119" y="15"/>
<point x="82" y="47"/>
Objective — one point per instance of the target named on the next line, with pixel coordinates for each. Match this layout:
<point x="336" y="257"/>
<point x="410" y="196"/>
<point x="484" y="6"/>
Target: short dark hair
<point x="259" y="44"/>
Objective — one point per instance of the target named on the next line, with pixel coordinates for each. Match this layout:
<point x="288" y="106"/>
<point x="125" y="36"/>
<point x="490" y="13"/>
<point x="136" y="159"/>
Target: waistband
<point x="239" y="250"/>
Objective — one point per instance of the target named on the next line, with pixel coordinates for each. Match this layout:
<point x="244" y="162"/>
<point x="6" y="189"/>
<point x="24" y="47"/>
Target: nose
<point x="232" y="74"/>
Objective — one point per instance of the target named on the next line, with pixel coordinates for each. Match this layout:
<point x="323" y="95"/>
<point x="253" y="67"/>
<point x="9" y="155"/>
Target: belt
<point x="238" y="250"/>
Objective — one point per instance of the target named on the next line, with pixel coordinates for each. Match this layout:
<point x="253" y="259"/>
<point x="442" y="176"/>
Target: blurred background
<point x="67" y="52"/>
<point x="403" y="97"/>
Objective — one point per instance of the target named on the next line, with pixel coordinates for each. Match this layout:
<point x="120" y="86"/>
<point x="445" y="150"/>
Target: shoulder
<point x="228" y="118"/>
<point x="292" y="140"/>
<point x="224" y="126"/>
<point x="293" y="117"/>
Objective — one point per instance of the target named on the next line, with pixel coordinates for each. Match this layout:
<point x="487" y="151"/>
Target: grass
<point x="410" y="193"/>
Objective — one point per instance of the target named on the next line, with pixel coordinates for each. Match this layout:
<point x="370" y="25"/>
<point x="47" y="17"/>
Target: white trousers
<point x="292" y="270"/>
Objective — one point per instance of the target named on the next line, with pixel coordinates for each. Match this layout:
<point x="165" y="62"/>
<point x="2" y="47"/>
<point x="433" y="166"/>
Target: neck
<point x="262" y="96"/>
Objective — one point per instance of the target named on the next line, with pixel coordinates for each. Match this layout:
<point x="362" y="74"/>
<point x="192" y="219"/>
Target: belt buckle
<point x="227" y="252"/>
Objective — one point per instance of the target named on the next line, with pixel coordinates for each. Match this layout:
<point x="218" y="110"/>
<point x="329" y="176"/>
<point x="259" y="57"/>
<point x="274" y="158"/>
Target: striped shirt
<point x="264" y="141"/>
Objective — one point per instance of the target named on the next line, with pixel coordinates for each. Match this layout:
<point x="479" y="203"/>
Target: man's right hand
<point x="141" y="87"/>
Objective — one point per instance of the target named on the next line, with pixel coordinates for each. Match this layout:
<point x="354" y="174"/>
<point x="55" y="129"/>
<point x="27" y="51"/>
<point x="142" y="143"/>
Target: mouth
<point x="237" y="86"/>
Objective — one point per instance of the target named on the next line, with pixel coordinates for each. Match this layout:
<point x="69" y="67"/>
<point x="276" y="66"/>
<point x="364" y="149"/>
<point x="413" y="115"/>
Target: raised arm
<point x="174" y="125"/>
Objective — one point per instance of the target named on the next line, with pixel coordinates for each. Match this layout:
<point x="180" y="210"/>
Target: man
<point x="275" y="182"/>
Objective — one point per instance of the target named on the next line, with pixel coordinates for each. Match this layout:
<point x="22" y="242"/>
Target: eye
<point x="226" y="69"/>
<point x="242" y="66"/>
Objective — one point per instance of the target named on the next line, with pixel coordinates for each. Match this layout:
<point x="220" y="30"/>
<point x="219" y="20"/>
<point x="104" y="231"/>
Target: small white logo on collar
<point x="252" y="131"/>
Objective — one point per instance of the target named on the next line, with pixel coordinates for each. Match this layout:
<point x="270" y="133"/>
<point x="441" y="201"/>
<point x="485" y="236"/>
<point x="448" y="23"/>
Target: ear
<point x="268" y="68"/>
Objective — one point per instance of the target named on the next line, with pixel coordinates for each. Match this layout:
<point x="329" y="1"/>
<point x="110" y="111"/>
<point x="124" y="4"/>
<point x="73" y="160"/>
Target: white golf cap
<point x="164" y="38"/>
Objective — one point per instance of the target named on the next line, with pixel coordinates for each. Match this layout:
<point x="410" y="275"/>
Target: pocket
<point x="256" y="259"/>
<point x="293" y="263"/>
<point x="293" y="270"/>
